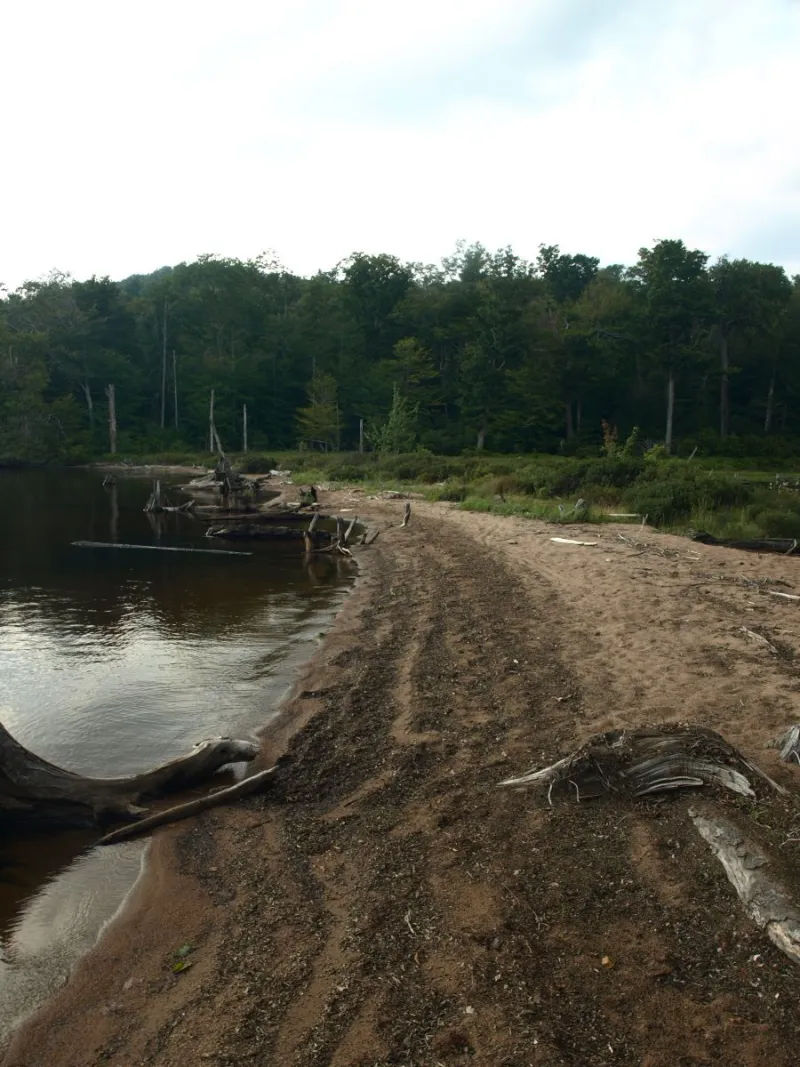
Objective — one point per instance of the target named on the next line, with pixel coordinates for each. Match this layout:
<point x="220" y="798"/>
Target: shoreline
<point x="386" y="904"/>
<point x="161" y="880"/>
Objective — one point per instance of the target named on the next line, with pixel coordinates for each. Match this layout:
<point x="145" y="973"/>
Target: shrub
<point x="453" y="490"/>
<point x="669" y="491"/>
<point x="779" y="522"/>
<point x="259" y="464"/>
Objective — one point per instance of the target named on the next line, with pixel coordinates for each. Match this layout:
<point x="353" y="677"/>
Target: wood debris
<point x="637" y="763"/>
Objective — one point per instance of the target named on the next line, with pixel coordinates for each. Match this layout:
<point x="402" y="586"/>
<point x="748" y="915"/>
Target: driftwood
<point x="159" y="548"/>
<point x="309" y="536"/>
<point x="250" y="531"/>
<point x="766" y="901"/>
<point x="406" y="514"/>
<point x="637" y="763"/>
<point x="788" y="745"/>
<point x="35" y="793"/>
<point x="156" y="505"/>
<point x="249" y="513"/>
<point x="338" y="541"/>
<point x="785" y="546"/>
<point x="183" y="811"/>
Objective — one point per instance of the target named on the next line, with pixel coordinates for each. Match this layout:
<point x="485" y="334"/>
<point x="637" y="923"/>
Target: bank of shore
<point x="385" y="904"/>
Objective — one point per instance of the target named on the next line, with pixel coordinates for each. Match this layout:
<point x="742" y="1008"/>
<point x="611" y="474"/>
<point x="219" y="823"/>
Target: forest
<point x="483" y="352"/>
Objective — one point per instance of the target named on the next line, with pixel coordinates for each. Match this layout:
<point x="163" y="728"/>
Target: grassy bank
<point x="674" y="494"/>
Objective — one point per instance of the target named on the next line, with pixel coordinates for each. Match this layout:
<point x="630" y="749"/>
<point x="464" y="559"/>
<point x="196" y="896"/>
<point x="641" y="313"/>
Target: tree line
<point x="483" y="351"/>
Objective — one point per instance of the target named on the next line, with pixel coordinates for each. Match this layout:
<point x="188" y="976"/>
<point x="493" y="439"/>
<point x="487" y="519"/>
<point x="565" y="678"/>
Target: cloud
<point x="146" y="134"/>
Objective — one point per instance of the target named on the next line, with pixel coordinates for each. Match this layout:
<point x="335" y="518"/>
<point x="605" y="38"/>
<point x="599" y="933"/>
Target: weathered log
<point x="35" y="793"/>
<point x="637" y="763"/>
<point x="250" y="513"/>
<point x="765" y="900"/>
<point x="183" y="811"/>
<point x="785" y="546"/>
<point x="246" y="531"/>
<point x="406" y="514"/>
<point x="349" y="531"/>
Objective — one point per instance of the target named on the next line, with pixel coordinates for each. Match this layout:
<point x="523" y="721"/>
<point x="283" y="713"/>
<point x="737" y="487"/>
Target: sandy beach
<point x="385" y="903"/>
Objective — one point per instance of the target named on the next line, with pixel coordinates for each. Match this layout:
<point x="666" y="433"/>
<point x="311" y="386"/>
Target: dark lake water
<point x="113" y="661"/>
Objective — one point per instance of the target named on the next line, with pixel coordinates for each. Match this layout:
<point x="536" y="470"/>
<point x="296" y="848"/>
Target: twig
<point x="407" y="918"/>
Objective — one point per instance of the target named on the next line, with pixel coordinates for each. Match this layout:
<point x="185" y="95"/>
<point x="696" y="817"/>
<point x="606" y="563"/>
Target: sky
<point x="142" y="134"/>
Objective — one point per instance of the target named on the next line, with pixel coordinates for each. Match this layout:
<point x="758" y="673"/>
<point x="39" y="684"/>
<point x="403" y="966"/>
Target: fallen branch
<point x="183" y="811"/>
<point x="759" y="639"/>
<point x="766" y="902"/>
<point x="785" y="596"/>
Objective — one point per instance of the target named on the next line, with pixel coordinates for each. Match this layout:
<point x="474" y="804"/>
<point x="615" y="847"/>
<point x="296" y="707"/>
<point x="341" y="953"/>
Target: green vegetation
<point x="673" y="494"/>
<point x="484" y="352"/>
<point x="665" y="389"/>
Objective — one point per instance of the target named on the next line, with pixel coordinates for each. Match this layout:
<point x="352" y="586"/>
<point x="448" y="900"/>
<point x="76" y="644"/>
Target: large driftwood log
<point x="785" y="546"/>
<point x="35" y="793"/>
<point x="246" y="531"/>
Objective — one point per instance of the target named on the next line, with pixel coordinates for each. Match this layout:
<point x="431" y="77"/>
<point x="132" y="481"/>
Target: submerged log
<point x="35" y="793"/>
<point x="159" y="548"/>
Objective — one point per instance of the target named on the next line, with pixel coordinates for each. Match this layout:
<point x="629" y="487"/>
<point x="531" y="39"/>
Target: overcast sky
<point x="143" y="133"/>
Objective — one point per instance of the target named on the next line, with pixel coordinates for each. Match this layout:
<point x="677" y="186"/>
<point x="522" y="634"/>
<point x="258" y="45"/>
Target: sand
<point x="386" y="904"/>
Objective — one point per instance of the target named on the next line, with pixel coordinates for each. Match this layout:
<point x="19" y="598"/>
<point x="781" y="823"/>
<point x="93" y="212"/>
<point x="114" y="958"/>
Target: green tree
<point x="677" y="305"/>
<point x="319" y="422"/>
<point x="399" y="432"/>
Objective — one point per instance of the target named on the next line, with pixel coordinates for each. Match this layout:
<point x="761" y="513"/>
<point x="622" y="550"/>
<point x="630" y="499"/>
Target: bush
<point x="669" y="491"/>
<point x="453" y="490"/>
<point x="259" y="464"/>
<point x="779" y="522"/>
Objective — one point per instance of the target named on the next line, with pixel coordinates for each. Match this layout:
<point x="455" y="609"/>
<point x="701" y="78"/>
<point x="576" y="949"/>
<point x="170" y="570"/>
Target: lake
<point x="113" y="661"/>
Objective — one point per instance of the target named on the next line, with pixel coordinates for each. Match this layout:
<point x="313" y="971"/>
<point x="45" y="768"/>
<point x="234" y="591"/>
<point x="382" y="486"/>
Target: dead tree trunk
<point x="175" y="385"/>
<point x="112" y="419"/>
<point x="35" y="793"/>
<point x="724" y="387"/>
<point x="164" y="368"/>
<point x="211" y="428"/>
<point x="244" y="428"/>
<point x="670" y="410"/>
<point x="87" y="392"/>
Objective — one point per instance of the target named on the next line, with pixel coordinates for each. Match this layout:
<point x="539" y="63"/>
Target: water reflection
<point x="112" y="661"/>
